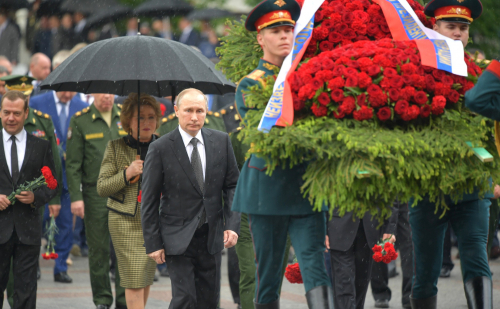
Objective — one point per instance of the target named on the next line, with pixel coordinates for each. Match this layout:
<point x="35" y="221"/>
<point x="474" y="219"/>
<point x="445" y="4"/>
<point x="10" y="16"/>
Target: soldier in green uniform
<point x="231" y="117"/>
<point x="39" y="125"/>
<point x="213" y="121"/>
<point x="468" y="216"/>
<point x="274" y="204"/>
<point x="88" y="134"/>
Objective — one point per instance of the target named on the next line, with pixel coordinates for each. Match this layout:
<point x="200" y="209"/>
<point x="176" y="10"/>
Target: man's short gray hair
<point x="186" y="91"/>
<point x="3" y="70"/>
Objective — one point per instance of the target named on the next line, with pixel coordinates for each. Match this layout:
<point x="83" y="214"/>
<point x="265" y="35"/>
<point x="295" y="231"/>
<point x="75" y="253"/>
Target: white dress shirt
<point x="185" y="34"/>
<point x="21" y="148"/>
<point x="186" y="138"/>
<point x="60" y="105"/>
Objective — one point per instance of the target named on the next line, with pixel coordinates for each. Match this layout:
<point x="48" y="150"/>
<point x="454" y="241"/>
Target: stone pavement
<point x="78" y="294"/>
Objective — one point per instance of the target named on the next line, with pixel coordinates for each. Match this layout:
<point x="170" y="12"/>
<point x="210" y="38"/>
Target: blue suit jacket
<point x="46" y="104"/>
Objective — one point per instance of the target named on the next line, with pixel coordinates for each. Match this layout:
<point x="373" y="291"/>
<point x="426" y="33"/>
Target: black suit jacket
<point x="193" y="39"/>
<point x="169" y="222"/>
<point x="25" y="218"/>
<point x="342" y="230"/>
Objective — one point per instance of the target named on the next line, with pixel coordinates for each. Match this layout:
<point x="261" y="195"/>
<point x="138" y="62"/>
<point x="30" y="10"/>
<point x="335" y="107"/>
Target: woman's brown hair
<point x="129" y="107"/>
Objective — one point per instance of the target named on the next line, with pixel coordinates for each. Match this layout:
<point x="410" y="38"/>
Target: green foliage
<point x="239" y="51"/>
<point x="403" y="162"/>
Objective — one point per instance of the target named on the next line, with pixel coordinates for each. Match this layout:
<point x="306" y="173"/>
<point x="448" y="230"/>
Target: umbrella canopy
<point x="86" y="6"/>
<point x="160" y="8"/>
<point x="49" y="7"/>
<point x="14" y="4"/>
<point x="207" y="14"/>
<point x="120" y="65"/>
<point x="107" y="15"/>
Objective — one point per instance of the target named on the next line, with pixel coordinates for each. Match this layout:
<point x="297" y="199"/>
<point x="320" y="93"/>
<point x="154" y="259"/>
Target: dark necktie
<point x="198" y="172"/>
<point x="13" y="159"/>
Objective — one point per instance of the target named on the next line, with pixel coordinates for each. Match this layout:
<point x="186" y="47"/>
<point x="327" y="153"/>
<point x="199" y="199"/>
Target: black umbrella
<point x="108" y="15"/>
<point x="160" y="8"/>
<point x="49" y="7"/>
<point x="118" y="65"/>
<point x="14" y="4"/>
<point x="86" y="6"/>
<point x="141" y="64"/>
<point x="208" y="14"/>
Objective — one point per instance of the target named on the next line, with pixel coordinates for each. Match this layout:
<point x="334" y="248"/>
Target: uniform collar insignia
<point x="270" y="67"/>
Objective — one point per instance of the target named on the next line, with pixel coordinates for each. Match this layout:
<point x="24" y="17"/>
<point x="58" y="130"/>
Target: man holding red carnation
<point x="22" y="157"/>
<point x="469" y="216"/>
<point x="274" y="205"/>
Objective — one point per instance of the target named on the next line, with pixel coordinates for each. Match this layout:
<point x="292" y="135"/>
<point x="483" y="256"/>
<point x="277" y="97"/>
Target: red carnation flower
<point x="437" y="105"/>
<point x="401" y="107"/>
<point x="327" y="64"/>
<point x="320" y="33"/>
<point x="337" y="95"/>
<point x="408" y="68"/>
<point x="316" y="83"/>
<point x="384" y="113"/>
<point x="377" y="248"/>
<point x="324" y="99"/>
<point x="373" y="70"/>
<point x="54" y="255"/>
<point x="373" y="89"/>
<point x="364" y="113"/>
<point x="348" y="105"/>
<point x="338" y="115"/>
<point x="361" y="99"/>
<point x="319" y="110"/>
<point x="425" y="111"/>
<point x="364" y="80"/>
<point x="420" y="97"/>
<point x="378" y="99"/>
<point x="351" y="81"/>
<point x="394" y="95"/>
<point x="336" y="83"/>
<point x="324" y="75"/>
<point x="306" y="92"/>
<point x="453" y="96"/>
<point x="325" y="46"/>
<point x="292" y="273"/>
<point x="378" y="257"/>
<point x="46" y="256"/>
<point x="407" y="93"/>
<point x="318" y="16"/>
<point x="386" y="259"/>
<point x="442" y="89"/>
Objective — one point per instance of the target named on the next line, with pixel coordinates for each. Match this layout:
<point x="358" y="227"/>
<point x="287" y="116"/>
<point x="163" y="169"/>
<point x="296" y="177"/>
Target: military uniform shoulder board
<point x="210" y="113"/>
<point x="171" y="116"/>
<point x="256" y="75"/>
<point x="270" y="67"/>
<point x="164" y="120"/>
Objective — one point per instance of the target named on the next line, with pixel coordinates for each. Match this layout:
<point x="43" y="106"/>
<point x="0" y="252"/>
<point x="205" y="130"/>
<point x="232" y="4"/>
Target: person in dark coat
<point x="9" y="38"/>
<point x="350" y="240"/>
<point x="189" y="35"/>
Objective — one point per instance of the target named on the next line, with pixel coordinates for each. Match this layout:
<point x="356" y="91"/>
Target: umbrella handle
<point x="136" y="178"/>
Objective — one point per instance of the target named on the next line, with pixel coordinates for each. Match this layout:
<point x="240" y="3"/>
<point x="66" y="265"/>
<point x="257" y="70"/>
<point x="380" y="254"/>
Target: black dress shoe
<point x="478" y="292"/>
<point x="424" y="303"/>
<point x="121" y="307"/>
<point x="445" y="272"/>
<point x="320" y="297"/>
<point x="62" y="277"/>
<point x="164" y="272"/>
<point x="103" y="307"/>
<point x="381" y="303"/>
<point x="393" y="273"/>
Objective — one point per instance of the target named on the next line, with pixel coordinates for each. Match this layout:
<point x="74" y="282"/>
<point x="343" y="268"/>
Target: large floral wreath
<point x="374" y="124"/>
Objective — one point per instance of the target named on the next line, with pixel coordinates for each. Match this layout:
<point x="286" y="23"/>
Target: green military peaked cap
<point x="273" y="13"/>
<point x="462" y="11"/>
<point x="21" y="83"/>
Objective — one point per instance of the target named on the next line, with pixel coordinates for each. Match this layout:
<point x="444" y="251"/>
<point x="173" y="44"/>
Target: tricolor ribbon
<point x="436" y="50"/>
<point x="279" y="109"/>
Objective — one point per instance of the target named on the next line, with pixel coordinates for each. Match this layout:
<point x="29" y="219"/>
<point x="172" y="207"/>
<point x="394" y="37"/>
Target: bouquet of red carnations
<point x="384" y="251"/>
<point x="292" y="273"/>
<point x="50" y="231"/>
<point x="45" y="179"/>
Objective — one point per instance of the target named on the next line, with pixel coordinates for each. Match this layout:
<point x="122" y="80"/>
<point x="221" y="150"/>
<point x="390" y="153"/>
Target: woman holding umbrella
<point x="120" y="170"/>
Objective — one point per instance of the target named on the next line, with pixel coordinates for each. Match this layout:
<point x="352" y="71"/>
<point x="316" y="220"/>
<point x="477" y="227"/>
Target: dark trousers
<point x="469" y="220"/>
<point x="380" y="271"/>
<point x="24" y="260"/>
<point x="195" y="275"/>
<point x="351" y="271"/>
<point x="233" y="272"/>
<point x="447" y="262"/>
<point x="269" y="235"/>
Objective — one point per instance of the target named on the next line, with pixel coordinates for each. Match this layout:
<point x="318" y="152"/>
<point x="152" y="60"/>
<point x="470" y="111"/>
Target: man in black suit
<point x="350" y="241"/>
<point x="22" y="157"/>
<point x="189" y="35"/>
<point x="187" y="173"/>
